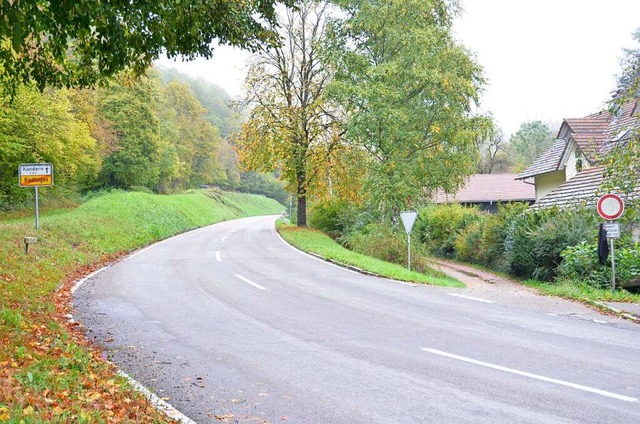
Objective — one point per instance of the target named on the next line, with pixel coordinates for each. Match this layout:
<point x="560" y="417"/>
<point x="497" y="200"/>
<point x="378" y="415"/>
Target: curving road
<point x="230" y="324"/>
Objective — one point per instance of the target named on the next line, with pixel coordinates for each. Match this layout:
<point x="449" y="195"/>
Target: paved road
<point x="231" y="324"/>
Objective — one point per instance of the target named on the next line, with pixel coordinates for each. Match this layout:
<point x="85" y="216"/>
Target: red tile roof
<point x="549" y="161"/>
<point x="594" y="134"/>
<point x="579" y="190"/>
<point x="482" y="188"/>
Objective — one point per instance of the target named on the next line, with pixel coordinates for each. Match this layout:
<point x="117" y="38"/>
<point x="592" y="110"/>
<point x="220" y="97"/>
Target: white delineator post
<point x="408" y="219"/>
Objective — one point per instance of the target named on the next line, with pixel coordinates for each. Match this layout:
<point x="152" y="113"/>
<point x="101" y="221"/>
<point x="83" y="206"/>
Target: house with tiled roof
<point x="568" y="173"/>
<point x="487" y="191"/>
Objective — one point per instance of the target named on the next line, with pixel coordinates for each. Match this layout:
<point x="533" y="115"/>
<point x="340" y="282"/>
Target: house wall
<point x="571" y="166"/>
<point x="546" y="183"/>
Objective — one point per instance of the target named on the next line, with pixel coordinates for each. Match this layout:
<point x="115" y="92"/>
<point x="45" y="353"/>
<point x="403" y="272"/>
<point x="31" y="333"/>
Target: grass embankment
<point x="583" y="292"/>
<point x="314" y="241"/>
<point x="47" y="372"/>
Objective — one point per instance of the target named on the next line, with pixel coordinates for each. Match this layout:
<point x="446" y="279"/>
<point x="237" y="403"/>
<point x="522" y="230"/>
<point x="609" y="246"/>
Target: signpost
<point x="35" y="175"/>
<point x="610" y="207"/>
<point x="408" y="219"/>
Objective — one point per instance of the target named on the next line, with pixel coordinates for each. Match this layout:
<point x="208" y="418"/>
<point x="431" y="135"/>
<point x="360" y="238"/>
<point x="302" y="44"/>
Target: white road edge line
<point x="530" y="375"/>
<point x="160" y="404"/>
<point x="477" y="299"/>
<point x="290" y="246"/>
<point x="404" y="283"/>
<point x="80" y="282"/>
<point x="246" y="280"/>
<point x="218" y="258"/>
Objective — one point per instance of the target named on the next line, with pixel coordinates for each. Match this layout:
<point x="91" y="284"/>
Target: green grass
<point x="582" y="292"/>
<point x="48" y="373"/>
<point x="313" y="241"/>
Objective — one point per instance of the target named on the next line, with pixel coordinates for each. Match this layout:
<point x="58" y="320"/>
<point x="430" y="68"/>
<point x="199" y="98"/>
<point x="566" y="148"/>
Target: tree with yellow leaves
<point x="291" y="128"/>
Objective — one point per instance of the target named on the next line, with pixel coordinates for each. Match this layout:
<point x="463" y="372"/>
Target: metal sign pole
<point x="409" y="249"/>
<point x="37" y="210"/>
<point x="408" y="219"/>
<point x="613" y="266"/>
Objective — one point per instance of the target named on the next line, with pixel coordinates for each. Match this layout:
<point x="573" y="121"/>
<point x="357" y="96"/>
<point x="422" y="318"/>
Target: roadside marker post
<point x="35" y="175"/>
<point x="408" y="219"/>
<point x="611" y="207"/>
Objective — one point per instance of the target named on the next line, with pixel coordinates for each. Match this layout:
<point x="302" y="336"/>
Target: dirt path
<point x="477" y="279"/>
<point x="486" y="285"/>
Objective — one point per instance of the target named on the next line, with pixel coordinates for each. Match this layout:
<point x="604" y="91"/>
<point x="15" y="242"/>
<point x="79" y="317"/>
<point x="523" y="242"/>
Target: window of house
<point x="578" y="161"/>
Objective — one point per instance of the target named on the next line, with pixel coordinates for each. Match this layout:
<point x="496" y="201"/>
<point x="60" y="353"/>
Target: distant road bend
<point x="231" y="324"/>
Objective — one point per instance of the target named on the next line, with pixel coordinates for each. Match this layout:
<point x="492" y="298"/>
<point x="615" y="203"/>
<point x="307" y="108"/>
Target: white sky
<point x="543" y="59"/>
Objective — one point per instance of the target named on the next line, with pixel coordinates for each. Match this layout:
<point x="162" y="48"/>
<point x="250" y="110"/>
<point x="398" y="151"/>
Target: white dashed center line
<point x="477" y="299"/>
<point x="218" y="258"/>
<point x="534" y="376"/>
<point x="246" y="280"/>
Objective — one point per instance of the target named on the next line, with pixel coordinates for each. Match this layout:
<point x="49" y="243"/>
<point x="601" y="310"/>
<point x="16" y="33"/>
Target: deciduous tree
<point x="130" y="112"/>
<point x="495" y="154"/>
<point x="41" y="127"/>
<point x="531" y="140"/>
<point x="77" y="43"/>
<point x="407" y="89"/>
<point x="290" y="123"/>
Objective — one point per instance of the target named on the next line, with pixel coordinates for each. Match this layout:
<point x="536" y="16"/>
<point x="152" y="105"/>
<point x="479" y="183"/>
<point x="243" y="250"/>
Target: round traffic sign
<point x="610" y="206"/>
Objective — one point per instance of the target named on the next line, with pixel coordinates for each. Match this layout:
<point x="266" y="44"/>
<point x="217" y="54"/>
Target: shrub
<point x="437" y="226"/>
<point x="536" y="239"/>
<point x="580" y="263"/>
<point x="467" y="243"/>
<point x="332" y="217"/>
<point x="379" y="241"/>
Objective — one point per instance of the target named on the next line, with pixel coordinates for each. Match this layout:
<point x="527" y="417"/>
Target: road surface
<point x="230" y="324"/>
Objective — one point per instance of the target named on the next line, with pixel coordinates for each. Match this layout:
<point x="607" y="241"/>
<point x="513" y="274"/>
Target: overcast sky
<point x="543" y="59"/>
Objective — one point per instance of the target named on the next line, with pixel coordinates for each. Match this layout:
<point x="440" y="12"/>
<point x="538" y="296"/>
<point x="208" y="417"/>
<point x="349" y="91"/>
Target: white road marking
<point x="534" y="376"/>
<point x="477" y="299"/>
<point x="246" y="280"/>
<point x="286" y="243"/>
<point x="78" y="284"/>
<point x="158" y="403"/>
<point x="218" y="258"/>
<point x="223" y="238"/>
<point x="405" y="283"/>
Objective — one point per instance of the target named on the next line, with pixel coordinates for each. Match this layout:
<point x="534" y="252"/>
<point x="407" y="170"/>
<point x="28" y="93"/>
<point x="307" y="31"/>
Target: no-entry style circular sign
<point x="610" y="206"/>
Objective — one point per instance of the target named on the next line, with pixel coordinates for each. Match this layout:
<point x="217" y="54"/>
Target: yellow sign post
<point x="35" y="175"/>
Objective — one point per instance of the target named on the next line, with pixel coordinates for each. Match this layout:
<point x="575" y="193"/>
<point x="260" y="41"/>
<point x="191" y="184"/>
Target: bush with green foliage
<point x="380" y="241"/>
<point x="580" y="263"/>
<point x="536" y="239"/>
<point x="331" y="217"/>
<point x="437" y="227"/>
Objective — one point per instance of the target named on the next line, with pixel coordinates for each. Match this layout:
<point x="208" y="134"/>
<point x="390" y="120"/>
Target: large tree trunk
<point x="302" y="210"/>
<point x="302" y="199"/>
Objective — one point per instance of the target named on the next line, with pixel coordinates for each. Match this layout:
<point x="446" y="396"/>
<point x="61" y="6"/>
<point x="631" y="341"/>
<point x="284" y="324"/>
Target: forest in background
<point x="163" y="132"/>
